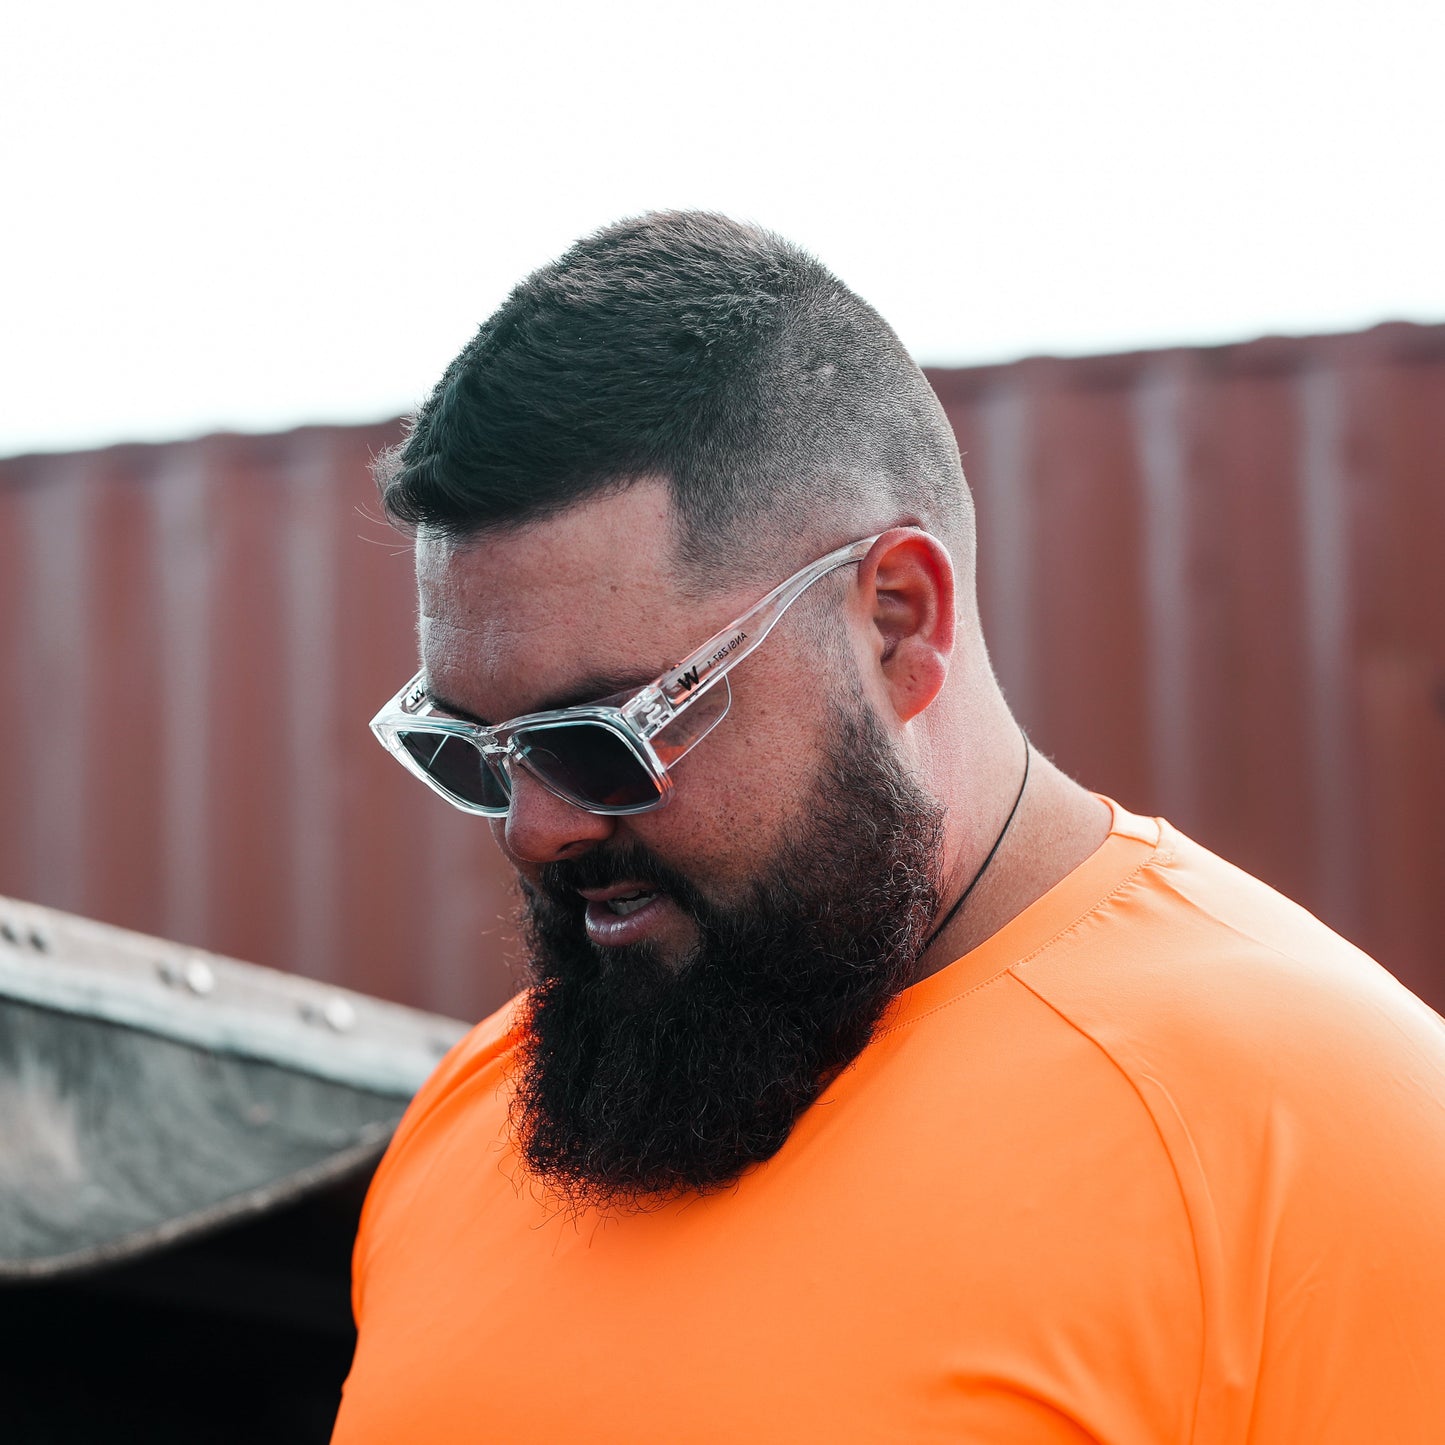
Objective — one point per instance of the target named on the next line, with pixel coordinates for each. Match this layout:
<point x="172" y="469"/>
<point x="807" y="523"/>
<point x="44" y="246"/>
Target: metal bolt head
<point x="200" y="977"/>
<point x="337" y="1013"/>
<point x="340" y="1014"/>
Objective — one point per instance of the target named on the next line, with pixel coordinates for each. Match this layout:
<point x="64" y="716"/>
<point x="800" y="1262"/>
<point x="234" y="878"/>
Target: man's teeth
<point x="631" y="903"/>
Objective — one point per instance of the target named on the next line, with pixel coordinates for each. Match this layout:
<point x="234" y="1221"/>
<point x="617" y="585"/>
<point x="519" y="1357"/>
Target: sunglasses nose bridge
<point x="502" y="758"/>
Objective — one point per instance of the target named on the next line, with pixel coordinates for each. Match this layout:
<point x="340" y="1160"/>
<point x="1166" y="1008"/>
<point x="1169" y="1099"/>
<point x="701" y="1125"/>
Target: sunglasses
<point x="611" y="757"/>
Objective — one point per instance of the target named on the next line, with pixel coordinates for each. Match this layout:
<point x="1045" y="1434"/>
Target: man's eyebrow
<point x="589" y="689"/>
<point x="454" y="708"/>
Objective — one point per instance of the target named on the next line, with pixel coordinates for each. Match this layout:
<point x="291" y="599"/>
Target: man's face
<point x="702" y="971"/>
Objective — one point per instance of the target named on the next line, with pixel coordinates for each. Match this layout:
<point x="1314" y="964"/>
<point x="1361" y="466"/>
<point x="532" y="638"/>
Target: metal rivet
<point x="340" y="1014"/>
<point x="200" y="976"/>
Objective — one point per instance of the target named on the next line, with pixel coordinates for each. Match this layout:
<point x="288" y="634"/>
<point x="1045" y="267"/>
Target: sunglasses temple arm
<point x="692" y="677"/>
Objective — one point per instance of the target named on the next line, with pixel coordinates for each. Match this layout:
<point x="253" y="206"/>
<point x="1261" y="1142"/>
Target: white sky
<point x="265" y="214"/>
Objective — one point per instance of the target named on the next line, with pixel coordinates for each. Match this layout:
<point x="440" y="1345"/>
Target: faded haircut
<point x="687" y="346"/>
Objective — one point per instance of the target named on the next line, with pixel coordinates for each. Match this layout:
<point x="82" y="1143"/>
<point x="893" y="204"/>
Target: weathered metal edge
<point x="256" y="1201"/>
<point x="58" y="961"/>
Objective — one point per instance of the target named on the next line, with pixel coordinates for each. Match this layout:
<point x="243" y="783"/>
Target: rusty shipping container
<point x="1213" y="581"/>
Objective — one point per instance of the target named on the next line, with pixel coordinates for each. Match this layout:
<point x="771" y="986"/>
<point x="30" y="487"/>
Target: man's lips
<point x="622" y="913"/>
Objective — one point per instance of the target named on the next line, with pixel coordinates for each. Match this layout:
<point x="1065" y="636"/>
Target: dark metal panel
<point x="16" y="760"/>
<point x="122" y="775"/>
<point x="47" y="702"/>
<point x="150" y="1091"/>
<point x="1252" y="774"/>
<point x="126" y="1142"/>
<point x="1398" y="536"/>
<point x="1211" y="581"/>
<point x="231" y="1338"/>
<point x="250" y="711"/>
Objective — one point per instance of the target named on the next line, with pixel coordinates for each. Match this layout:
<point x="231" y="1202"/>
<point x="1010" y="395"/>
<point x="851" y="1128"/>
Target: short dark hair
<point x="690" y="347"/>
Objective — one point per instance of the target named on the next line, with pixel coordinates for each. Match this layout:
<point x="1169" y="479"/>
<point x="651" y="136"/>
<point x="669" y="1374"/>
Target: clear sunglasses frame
<point x="659" y="723"/>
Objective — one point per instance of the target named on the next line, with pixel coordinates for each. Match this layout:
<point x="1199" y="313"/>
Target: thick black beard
<point x="637" y="1083"/>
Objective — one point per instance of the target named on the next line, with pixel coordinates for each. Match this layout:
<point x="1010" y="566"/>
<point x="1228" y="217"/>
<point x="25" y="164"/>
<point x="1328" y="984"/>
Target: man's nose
<point x="541" y="828"/>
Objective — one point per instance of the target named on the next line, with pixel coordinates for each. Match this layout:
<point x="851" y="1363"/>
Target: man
<point x="876" y="1081"/>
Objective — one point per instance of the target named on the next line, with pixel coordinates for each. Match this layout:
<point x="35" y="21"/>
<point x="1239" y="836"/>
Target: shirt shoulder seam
<point x="1159" y="855"/>
<point x="1134" y="1088"/>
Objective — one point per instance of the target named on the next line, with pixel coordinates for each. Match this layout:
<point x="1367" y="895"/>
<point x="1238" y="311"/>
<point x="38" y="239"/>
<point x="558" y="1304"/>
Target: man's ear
<point x="906" y="583"/>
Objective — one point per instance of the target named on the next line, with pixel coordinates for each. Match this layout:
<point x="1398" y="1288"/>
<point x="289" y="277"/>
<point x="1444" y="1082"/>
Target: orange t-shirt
<point x="1161" y="1161"/>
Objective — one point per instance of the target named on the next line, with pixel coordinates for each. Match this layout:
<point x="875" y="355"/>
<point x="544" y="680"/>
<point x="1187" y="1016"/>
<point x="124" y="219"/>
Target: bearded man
<point x="876" y="1081"/>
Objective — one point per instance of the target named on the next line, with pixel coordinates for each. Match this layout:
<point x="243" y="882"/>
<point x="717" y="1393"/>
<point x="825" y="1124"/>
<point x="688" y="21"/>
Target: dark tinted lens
<point x="589" y="762"/>
<point x="458" y="766"/>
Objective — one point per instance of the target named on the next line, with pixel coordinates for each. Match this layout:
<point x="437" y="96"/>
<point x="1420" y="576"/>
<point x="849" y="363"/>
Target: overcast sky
<point x="260" y="215"/>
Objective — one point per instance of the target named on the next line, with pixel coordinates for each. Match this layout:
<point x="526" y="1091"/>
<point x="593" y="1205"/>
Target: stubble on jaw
<point x="638" y="1081"/>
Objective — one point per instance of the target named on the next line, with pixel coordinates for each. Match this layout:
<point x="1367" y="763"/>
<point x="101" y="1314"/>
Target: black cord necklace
<point x="983" y="867"/>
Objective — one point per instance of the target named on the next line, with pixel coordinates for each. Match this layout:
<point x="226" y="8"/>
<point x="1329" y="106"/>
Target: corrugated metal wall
<point x="194" y="638"/>
<point x="1213" y="582"/>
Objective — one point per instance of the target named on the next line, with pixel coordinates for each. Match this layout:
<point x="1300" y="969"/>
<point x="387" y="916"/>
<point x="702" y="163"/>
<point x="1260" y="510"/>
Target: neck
<point x="1057" y="825"/>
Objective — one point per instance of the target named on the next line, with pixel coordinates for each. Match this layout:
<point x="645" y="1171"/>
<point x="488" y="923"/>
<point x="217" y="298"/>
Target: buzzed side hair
<point x="687" y="346"/>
